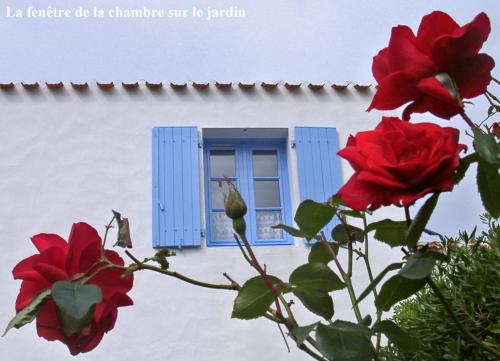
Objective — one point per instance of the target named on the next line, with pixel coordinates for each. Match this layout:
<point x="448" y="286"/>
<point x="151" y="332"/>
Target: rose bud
<point x="234" y="205"/>
<point x="495" y="129"/>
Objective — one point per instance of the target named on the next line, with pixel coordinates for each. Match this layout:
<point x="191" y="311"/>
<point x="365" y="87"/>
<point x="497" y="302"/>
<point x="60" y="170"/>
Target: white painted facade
<point x="69" y="155"/>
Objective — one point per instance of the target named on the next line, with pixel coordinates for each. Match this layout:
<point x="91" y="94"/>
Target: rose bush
<point x="399" y="162"/>
<point x="435" y="69"/>
<point x="59" y="260"/>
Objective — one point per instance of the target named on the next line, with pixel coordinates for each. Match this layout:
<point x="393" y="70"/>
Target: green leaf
<point x="465" y="163"/>
<point x="318" y="302"/>
<point x="376" y="281"/>
<point x="397" y="288"/>
<point x="311" y="217"/>
<point x="254" y="298"/>
<point x="397" y="335"/>
<point x="28" y="314"/>
<point x="301" y="333"/>
<point x="390" y="232"/>
<point x="344" y="341"/>
<point x="317" y="277"/>
<point x="75" y="303"/>
<point x="488" y="182"/>
<point x="487" y="146"/>
<point x="344" y="233"/>
<point x="417" y="226"/>
<point x="320" y="253"/>
<point x="367" y="320"/>
<point x="290" y="230"/>
<point x="418" y="266"/>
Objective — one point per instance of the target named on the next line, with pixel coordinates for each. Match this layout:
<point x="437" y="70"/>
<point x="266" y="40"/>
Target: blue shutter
<point x="318" y="164"/>
<point x="176" y="188"/>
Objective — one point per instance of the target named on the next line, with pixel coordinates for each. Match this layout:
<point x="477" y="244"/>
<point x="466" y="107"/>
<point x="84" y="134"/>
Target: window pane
<point x="222" y="227"/>
<point x="265" y="220"/>
<point x="267" y="193"/>
<point x="222" y="163"/>
<point x="218" y="193"/>
<point x="265" y="163"/>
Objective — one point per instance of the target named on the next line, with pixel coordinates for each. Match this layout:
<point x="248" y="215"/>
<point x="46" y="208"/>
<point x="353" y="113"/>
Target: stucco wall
<point x="72" y="155"/>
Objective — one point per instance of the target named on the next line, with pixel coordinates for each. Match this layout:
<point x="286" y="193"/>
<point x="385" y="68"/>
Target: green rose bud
<point x="234" y="205"/>
<point x="240" y="226"/>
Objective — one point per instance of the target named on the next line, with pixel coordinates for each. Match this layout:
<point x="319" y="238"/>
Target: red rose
<point x="414" y="68"/>
<point x="60" y="260"/>
<point x="398" y="163"/>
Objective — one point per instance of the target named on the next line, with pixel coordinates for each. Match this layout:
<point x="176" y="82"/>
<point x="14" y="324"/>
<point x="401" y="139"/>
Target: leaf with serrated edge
<point x="254" y="298"/>
<point x="392" y="233"/>
<point x="28" y="314"/>
<point x="417" y="226"/>
<point x="376" y="281"/>
<point x="344" y="233"/>
<point x="343" y="341"/>
<point x="488" y="182"/>
<point x="302" y="333"/>
<point x="75" y="304"/>
<point x="290" y="230"/>
<point x="487" y="146"/>
<point x="396" y="335"/>
<point x="318" y="302"/>
<point x="320" y="253"/>
<point x="418" y="266"/>
<point x="395" y="289"/>
<point x="316" y="276"/>
<point x="312" y="216"/>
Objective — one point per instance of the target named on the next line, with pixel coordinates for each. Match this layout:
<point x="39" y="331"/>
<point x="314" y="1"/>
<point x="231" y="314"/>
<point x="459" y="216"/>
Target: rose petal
<point x="28" y="291"/>
<point x="433" y="88"/>
<point x="45" y="241"/>
<point x="47" y="323"/>
<point x="82" y="236"/>
<point x="463" y="43"/>
<point x="395" y="90"/>
<point x="474" y="75"/>
<point x="24" y="270"/>
<point x="404" y="54"/>
<point x="110" y="281"/>
<point x="380" y="65"/>
<point x="432" y="27"/>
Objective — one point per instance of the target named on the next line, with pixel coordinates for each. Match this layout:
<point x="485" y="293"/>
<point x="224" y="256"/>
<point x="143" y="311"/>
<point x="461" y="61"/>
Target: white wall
<point x="69" y="156"/>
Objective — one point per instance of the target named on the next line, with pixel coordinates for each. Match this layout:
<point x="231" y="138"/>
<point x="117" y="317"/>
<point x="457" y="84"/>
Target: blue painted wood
<point x="318" y="164"/>
<point x="176" y="196"/>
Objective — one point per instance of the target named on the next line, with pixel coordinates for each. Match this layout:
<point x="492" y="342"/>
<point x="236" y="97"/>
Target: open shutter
<point x="318" y="164"/>
<point x="176" y="187"/>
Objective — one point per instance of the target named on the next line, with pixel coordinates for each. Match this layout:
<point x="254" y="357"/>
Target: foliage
<point x="470" y="281"/>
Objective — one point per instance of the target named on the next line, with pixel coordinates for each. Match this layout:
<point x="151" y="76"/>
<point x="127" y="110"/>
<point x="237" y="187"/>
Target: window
<point x="259" y="170"/>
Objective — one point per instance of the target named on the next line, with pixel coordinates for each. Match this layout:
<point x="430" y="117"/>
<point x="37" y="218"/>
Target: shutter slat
<point x="318" y="165"/>
<point x="176" y="217"/>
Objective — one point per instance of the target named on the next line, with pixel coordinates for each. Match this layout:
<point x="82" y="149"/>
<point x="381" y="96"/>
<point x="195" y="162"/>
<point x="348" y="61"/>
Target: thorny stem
<point x="468" y="120"/>
<point x="108" y="227"/>
<point x="370" y="276"/>
<point x="470" y="337"/>
<point x="138" y="266"/>
<point x="346" y="279"/>
<point x="255" y="264"/>
<point x="495" y="80"/>
<point x="407" y="216"/>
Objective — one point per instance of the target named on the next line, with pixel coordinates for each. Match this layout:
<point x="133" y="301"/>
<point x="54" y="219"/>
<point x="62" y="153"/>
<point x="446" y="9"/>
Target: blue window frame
<point x="259" y="170"/>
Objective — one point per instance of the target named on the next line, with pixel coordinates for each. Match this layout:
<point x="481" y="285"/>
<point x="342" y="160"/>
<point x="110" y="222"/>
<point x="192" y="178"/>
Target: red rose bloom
<point x="60" y="260"/>
<point x="398" y="163"/>
<point x="406" y="70"/>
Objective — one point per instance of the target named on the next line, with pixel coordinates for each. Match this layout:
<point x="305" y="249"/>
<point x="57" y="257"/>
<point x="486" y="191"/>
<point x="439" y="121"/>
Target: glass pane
<point x="222" y="226"/>
<point x="265" y="163"/>
<point x="218" y="193"/>
<point x="265" y="220"/>
<point x="267" y="193"/>
<point x="222" y="163"/>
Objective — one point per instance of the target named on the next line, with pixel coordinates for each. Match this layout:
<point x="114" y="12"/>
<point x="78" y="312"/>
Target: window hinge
<point x="292" y="143"/>
<point x="202" y="234"/>
<point x="200" y="145"/>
